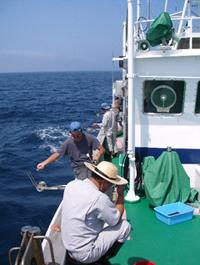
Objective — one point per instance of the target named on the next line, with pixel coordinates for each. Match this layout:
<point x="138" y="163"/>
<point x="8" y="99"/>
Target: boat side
<point x="55" y="237"/>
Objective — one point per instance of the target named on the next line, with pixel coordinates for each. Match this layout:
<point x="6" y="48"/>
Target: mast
<point x="138" y="10"/>
<point x="182" y="17"/>
<point x="131" y="107"/>
<point x="148" y="12"/>
<point x="166" y="5"/>
<point x="124" y="48"/>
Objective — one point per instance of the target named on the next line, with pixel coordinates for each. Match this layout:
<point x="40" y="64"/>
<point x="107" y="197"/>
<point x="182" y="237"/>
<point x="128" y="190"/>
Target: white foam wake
<point x="52" y="137"/>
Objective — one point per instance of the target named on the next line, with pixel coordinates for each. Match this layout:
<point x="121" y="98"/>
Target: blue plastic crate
<point x="174" y="213"/>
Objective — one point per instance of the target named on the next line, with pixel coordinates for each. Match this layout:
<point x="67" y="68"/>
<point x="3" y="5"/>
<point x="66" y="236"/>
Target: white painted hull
<point x="55" y="237"/>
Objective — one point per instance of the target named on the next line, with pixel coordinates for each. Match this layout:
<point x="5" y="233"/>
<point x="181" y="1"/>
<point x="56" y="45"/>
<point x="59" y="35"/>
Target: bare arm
<point x="49" y="160"/>
<point x="97" y="125"/>
<point x="98" y="154"/>
<point x="101" y="150"/>
<point x="120" y="200"/>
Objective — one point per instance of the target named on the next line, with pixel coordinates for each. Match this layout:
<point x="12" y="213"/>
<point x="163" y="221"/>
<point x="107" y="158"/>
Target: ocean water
<point x="35" y="112"/>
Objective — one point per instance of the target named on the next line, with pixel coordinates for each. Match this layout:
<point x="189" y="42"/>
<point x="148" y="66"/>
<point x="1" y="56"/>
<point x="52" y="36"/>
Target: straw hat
<point x="107" y="171"/>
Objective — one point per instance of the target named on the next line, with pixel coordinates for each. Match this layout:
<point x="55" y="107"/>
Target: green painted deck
<point x="158" y="242"/>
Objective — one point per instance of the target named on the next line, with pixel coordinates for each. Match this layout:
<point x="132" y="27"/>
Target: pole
<point x="182" y="17"/>
<point x="124" y="48"/>
<point x="166" y="5"/>
<point x="131" y="197"/>
<point x="138" y="10"/>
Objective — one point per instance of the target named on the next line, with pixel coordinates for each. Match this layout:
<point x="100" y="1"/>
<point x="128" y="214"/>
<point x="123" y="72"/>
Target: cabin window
<point x="196" y="43"/>
<point x="163" y="96"/>
<point x="197" y="105"/>
<point x="184" y="43"/>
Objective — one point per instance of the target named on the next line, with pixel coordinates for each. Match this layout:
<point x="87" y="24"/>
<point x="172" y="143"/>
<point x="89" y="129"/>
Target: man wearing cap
<point x="80" y="148"/>
<point x="108" y="129"/>
<point x="91" y="225"/>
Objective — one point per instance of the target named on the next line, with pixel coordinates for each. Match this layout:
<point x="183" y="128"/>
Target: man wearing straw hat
<point x="91" y="226"/>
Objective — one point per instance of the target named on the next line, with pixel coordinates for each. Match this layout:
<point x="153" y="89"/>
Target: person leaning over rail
<point x="91" y="225"/>
<point x="80" y="148"/>
<point x="108" y="130"/>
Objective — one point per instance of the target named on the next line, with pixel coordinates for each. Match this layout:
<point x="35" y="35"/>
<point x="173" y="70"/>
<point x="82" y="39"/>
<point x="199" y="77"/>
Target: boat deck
<point x="158" y="242"/>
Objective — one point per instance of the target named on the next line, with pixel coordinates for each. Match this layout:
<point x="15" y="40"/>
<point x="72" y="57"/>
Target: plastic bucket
<point x="144" y="262"/>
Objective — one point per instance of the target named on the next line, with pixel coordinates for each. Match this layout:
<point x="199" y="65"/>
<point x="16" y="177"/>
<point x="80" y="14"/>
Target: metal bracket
<point x="30" y="248"/>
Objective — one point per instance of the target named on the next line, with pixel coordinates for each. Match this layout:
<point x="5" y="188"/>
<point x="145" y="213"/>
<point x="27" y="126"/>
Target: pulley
<point x="143" y="45"/>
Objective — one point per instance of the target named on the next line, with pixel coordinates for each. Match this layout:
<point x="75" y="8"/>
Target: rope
<point x="31" y="177"/>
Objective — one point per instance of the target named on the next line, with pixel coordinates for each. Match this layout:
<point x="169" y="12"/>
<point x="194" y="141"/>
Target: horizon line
<point x="57" y="71"/>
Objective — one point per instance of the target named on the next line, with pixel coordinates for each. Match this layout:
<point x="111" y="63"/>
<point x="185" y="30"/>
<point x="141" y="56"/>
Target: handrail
<point x="50" y="247"/>
<point x="10" y="254"/>
<point x="185" y="31"/>
<point x="31" y="248"/>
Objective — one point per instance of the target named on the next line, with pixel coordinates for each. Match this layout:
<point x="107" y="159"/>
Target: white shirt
<point x="109" y="123"/>
<point x="84" y="214"/>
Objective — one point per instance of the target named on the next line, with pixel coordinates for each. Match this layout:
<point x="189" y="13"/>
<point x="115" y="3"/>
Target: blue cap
<point x="105" y="106"/>
<point x="75" y="126"/>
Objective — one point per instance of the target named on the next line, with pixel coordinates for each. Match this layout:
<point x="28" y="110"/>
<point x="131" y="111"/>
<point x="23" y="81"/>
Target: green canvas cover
<point x="165" y="180"/>
<point x="161" y="30"/>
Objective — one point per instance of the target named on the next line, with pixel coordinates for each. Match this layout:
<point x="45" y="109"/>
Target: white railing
<point x="189" y="29"/>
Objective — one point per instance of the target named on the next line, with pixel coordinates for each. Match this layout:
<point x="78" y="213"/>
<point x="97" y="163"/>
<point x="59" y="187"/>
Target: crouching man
<point x="91" y="226"/>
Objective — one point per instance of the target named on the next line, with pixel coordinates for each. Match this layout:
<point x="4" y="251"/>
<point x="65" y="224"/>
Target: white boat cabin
<point x="166" y="88"/>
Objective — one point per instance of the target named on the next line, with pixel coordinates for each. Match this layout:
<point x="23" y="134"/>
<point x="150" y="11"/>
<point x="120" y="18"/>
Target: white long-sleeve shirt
<point x="109" y="123"/>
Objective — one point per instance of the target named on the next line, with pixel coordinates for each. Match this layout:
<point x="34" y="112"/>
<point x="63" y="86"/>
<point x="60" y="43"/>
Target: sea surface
<point x="35" y="112"/>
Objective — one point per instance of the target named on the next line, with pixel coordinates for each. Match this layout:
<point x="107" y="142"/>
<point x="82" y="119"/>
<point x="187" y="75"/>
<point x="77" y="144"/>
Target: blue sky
<point x="61" y="35"/>
<point x="54" y="35"/>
